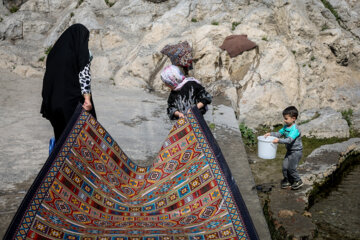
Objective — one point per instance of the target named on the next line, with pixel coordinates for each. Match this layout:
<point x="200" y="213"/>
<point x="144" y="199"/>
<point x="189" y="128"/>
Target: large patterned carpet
<point x="89" y="189"/>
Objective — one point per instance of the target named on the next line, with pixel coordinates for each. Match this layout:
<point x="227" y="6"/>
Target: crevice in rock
<point x="151" y="79"/>
<point x="341" y="23"/>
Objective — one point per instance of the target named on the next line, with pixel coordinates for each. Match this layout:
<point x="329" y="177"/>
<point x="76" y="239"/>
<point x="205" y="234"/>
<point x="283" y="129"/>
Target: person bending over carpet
<point x="67" y="79"/>
<point x="186" y="92"/>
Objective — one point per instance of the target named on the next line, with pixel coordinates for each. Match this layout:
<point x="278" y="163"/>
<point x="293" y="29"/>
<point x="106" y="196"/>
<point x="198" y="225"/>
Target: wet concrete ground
<point x="133" y="117"/>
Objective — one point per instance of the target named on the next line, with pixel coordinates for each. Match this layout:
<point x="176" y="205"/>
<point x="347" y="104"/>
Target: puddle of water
<point x="337" y="216"/>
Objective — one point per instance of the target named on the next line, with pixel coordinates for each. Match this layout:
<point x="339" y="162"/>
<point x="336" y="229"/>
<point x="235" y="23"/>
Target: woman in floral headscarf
<point x="186" y="92"/>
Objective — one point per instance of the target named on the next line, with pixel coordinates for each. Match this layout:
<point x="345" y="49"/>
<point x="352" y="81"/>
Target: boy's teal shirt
<point x="291" y="132"/>
<point x="292" y="137"/>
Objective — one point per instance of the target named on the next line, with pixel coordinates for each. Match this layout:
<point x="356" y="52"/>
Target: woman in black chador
<point x="67" y="78"/>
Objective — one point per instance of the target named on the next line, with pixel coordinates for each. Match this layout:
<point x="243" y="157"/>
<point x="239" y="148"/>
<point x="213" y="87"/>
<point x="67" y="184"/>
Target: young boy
<point x="186" y="92"/>
<point x="294" y="148"/>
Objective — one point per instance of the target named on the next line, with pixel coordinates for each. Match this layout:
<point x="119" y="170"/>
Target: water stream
<point x="337" y="215"/>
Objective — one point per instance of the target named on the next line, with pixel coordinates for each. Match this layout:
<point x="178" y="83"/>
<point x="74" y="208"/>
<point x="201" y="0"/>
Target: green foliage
<point x="47" y="51"/>
<point x="347" y="115"/>
<point x="234" y="25"/>
<point x="212" y="126"/>
<point x="248" y="136"/>
<point x="110" y="4"/>
<point x="41" y="59"/>
<point x="194" y="20"/>
<point x="215" y="23"/>
<point x="265" y="38"/>
<point x="79" y="3"/>
<point x="331" y="8"/>
<point x="324" y="27"/>
<point x="14" y="9"/>
<point x="293" y="51"/>
<point x="1" y="19"/>
<point x="312" y="58"/>
<point x="71" y="14"/>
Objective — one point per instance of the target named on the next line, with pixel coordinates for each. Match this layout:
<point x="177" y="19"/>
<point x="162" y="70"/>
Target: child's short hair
<point x="291" y="111"/>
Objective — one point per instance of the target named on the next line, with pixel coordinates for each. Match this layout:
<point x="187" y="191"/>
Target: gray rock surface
<point x="306" y="57"/>
<point x="329" y="123"/>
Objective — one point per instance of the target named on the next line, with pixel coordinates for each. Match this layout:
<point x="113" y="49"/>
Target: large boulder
<point x="327" y="123"/>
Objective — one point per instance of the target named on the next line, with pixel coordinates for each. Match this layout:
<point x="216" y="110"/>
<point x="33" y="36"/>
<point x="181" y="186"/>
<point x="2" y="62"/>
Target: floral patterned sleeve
<point x="85" y="80"/>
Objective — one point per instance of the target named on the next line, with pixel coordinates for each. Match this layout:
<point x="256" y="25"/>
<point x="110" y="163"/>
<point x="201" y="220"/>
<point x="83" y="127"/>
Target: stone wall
<point x="307" y="55"/>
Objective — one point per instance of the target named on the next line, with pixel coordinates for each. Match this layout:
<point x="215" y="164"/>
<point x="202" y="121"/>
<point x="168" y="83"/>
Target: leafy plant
<point x="47" y="51"/>
<point x="110" y="4"/>
<point x="234" y="25"/>
<point x="14" y="9"/>
<point x="194" y="20"/>
<point x="248" y="135"/>
<point x="264" y="38"/>
<point x="212" y="126"/>
<point x="71" y="14"/>
<point x="347" y="115"/>
<point x="312" y="58"/>
<point x="215" y="23"/>
<point x="324" y="27"/>
<point x="293" y="51"/>
<point x="1" y="19"/>
<point x="41" y="59"/>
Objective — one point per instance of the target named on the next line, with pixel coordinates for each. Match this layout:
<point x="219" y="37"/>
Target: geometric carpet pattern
<point x="89" y="189"/>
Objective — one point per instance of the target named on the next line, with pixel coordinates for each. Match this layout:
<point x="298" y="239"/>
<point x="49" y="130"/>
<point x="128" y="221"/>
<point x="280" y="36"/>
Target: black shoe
<point x="285" y="183"/>
<point x="297" y="184"/>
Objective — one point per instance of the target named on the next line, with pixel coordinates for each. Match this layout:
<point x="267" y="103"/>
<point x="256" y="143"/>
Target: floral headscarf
<point x="173" y="77"/>
<point x="180" y="54"/>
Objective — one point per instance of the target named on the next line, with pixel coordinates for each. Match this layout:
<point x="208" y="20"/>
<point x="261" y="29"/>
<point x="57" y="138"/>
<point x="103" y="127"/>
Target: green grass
<point x="212" y="126"/>
<point x="1" y="19"/>
<point x="47" y="51"/>
<point x="332" y="10"/>
<point x="347" y="115"/>
<point x="312" y="58"/>
<point x="234" y="25"/>
<point x="41" y="59"/>
<point x="215" y="23"/>
<point x="324" y="27"/>
<point x="14" y="9"/>
<point x="71" y="14"/>
<point x="194" y="20"/>
<point x="265" y="38"/>
<point x="293" y="51"/>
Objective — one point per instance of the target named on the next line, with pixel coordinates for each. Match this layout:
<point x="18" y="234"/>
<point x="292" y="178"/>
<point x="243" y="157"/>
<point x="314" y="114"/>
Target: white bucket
<point x="266" y="149"/>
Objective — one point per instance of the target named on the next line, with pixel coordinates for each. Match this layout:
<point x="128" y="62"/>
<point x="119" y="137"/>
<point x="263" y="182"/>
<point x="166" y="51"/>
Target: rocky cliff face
<point x="308" y="54"/>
